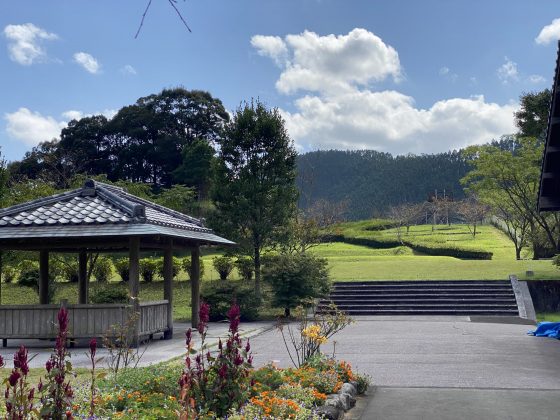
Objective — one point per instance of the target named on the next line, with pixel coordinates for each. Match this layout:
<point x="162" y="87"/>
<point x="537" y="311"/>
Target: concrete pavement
<point x="154" y="351"/>
<point x="444" y="367"/>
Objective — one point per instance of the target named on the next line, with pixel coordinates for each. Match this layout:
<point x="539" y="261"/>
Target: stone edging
<point x="337" y="405"/>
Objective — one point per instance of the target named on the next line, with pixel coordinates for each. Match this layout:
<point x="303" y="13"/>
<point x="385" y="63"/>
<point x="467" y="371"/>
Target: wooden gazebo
<point x="100" y="218"/>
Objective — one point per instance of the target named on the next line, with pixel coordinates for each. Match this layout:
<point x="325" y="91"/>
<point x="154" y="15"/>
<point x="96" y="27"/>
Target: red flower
<point x="93" y="347"/>
<point x="63" y="320"/>
<point x="20" y="360"/>
<point x="188" y="334"/>
<point x="203" y="316"/>
<point x="233" y="316"/>
<point x="14" y="378"/>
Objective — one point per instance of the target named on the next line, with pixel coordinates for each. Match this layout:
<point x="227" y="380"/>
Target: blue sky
<point x="399" y="76"/>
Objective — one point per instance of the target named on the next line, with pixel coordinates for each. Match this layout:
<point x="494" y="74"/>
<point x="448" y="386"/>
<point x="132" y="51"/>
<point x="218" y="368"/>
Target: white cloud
<point x="24" y="43"/>
<point x="87" y="61"/>
<point x="73" y="115"/>
<point x="389" y="121"/>
<point x="271" y="46"/>
<point x="536" y="79"/>
<point x="549" y="33"/>
<point x="32" y="127"/>
<point x="340" y="110"/>
<point x="317" y="63"/>
<point x="508" y="72"/>
<point x="128" y="70"/>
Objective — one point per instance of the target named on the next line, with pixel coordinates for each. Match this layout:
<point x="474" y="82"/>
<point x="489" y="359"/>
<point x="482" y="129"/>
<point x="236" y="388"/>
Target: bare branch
<point x="143" y="17"/>
<point x="172" y="3"/>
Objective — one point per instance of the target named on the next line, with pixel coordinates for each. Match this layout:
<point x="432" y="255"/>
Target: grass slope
<point x="354" y="262"/>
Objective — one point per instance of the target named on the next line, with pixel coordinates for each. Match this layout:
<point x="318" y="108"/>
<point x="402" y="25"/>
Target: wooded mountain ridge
<point x="369" y="182"/>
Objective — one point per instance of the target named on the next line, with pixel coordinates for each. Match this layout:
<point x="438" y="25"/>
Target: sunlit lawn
<point x="353" y="262"/>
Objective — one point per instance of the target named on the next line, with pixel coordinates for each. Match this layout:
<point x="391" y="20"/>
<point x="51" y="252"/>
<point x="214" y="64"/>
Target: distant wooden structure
<point x="100" y="218"/>
<point x="549" y="190"/>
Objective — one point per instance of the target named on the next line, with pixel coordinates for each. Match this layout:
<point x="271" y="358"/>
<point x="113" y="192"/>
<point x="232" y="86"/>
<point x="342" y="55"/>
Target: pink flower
<point x="248" y="346"/>
<point x="1" y="362"/>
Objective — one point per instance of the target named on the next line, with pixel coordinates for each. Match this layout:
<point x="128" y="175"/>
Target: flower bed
<point x="209" y="385"/>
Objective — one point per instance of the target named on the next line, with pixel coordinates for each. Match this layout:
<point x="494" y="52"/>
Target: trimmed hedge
<point x="440" y="250"/>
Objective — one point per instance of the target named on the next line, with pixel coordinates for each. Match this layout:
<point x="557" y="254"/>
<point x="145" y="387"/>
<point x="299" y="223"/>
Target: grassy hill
<point x="387" y="259"/>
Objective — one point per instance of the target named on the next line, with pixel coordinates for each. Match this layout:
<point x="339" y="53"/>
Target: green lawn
<point x="353" y="262"/>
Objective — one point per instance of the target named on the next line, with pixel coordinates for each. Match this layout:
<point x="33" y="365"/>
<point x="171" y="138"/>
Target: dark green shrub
<point x="223" y="265"/>
<point x="296" y="278"/>
<point x="186" y="265"/>
<point x="9" y="274"/>
<point x="121" y="265"/>
<point x="176" y="267"/>
<point x="29" y="277"/>
<point x="70" y="271"/>
<point x="113" y="293"/>
<point x="221" y="294"/>
<point x="245" y="268"/>
<point x="148" y="269"/>
<point x="103" y="269"/>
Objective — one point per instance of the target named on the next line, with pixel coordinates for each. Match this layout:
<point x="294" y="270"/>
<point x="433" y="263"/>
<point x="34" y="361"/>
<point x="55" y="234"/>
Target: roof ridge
<point x="166" y="210"/>
<point x="38" y="202"/>
<point x="131" y="208"/>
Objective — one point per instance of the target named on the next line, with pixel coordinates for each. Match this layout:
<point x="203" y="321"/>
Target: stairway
<point x="457" y="297"/>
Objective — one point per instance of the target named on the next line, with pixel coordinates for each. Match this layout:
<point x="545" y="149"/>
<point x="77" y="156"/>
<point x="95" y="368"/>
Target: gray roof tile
<point x="99" y="205"/>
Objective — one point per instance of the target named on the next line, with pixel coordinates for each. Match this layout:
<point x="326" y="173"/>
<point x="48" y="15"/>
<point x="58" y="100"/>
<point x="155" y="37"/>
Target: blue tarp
<point x="547" y="329"/>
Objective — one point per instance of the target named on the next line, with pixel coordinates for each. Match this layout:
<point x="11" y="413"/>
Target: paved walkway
<point x="154" y="351"/>
<point x="444" y="367"/>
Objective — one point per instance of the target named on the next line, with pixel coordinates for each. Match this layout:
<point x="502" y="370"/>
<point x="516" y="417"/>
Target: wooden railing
<point x="85" y="321"/>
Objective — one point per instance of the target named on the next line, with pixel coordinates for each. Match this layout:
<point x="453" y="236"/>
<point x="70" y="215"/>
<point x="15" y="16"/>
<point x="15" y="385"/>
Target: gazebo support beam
<point x="168" y="287"/>
<point x="82" y="277"/>
<point x="44" y="277"/>
<point x="195" y="285"/>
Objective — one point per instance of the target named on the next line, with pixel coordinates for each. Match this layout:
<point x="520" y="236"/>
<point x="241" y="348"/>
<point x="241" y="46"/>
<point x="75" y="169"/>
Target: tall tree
<point x="509" y="181"/>
<point x="532" y="117"/>
<point x="254" y="190"/>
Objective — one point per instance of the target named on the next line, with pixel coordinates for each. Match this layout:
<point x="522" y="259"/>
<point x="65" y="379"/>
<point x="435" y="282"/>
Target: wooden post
<point x="44" y="277"/>
<point x="168" y="287"/>
<point x="82" y="277"/>
<point x="195" y="285"/>
<point x="134" y="284"/>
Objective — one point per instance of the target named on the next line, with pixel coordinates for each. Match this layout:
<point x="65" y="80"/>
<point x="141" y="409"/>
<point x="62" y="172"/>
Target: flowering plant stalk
<point x="93" y="389"/>
<point x="19" y="396"/>
<point x="57" y="392"/>
<point x="213" y="385"/>
<point x="304" y="341"/>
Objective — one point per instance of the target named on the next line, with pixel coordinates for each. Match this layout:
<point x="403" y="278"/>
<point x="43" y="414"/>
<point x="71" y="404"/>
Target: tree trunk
<point x="257" y="271"/>
<point x="517" y="252"/>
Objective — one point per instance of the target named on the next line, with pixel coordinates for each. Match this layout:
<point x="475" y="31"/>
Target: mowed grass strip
<point x="354" y="262"/>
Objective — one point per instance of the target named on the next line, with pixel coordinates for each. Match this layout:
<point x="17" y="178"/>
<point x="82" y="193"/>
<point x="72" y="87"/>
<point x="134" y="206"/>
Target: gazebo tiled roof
<point x="99" y="210"/>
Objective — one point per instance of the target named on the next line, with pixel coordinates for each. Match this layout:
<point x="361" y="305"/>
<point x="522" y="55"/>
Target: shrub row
<point x="436" y="250"/>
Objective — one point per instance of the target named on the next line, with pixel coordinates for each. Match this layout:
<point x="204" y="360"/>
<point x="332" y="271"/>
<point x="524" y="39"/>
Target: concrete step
<point x="347" y="302"/>
<point x="498" y="312"/>
<point x="350" y="296"/>
<point x="444" y="297"/>
<point x="420" y="283"/>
